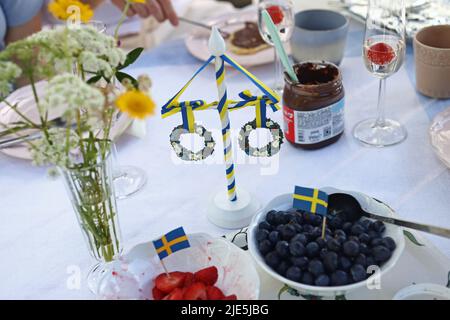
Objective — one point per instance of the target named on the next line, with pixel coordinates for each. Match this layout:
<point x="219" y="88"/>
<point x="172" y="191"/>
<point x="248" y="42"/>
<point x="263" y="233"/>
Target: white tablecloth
<point x="41" y="245"/>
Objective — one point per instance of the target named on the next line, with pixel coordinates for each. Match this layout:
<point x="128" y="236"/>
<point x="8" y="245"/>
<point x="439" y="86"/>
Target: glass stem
<point x="279" y="83"/>
<point x="381" y="120"/>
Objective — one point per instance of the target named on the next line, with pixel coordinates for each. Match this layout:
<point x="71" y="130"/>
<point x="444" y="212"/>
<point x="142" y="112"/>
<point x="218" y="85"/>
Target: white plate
<point x="132" y="277"/>
<point x="440" y="136"/>
<point x="423" y="291"/>
<point x="284" y="202"/>
<point x="197" y="42"/>
<point x="24" y="99"/>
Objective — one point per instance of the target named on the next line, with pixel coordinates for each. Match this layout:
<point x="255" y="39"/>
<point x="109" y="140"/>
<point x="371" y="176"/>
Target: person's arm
<point x="24" y="30"/>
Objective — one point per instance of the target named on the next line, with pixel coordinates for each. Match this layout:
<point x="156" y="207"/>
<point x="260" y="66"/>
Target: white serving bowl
<point x="132" y="277"/>
<point x="284" y="202"/>
<point x="423" y="291"/>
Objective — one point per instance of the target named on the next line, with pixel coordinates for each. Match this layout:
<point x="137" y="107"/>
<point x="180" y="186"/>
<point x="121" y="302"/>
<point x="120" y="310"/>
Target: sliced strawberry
<point x="231" y="297"/>
<point x="157" y="294"/>
<point x="189" y="279"/>
<point x="176" y="294"/>
<point x="167" y="283"/>
<point x="276" y="14"/>
<point x="214" y="293"/>
<point x="196" y="291"/>
<point x="208" y="276"/>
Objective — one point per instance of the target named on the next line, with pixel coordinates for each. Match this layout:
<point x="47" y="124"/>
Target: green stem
<point x="122" y="19"/>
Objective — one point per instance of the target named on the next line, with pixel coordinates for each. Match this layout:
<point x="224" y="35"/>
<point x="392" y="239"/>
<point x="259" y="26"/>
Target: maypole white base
<point x="232" y="214"/>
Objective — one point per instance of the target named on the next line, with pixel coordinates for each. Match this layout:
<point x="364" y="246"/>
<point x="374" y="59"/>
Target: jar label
<point x="310" y="127"/>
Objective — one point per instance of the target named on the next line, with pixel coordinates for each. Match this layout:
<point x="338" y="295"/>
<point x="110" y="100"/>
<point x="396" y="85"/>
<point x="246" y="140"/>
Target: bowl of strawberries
<point x="210" y="269"/>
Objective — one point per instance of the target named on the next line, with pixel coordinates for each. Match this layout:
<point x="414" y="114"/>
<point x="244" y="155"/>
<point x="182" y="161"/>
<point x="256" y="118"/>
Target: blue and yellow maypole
<point x="217" y="48"/>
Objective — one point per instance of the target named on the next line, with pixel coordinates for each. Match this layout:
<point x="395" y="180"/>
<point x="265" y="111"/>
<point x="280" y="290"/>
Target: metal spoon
<point x="346" y="204"/>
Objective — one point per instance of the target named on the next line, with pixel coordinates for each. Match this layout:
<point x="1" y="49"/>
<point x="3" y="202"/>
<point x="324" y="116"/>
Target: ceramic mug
<point x="319" y="35"/>
<point x="432" y="57"/>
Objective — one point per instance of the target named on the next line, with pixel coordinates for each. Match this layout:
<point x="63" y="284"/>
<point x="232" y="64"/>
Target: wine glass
<point x="282" y="14"/>
<point x="384" y="53"/>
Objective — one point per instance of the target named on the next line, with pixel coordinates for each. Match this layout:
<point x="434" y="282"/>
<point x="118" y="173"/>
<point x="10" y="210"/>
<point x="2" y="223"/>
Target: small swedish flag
<point x="311" y="200"/>
<point x="171" y="242"/>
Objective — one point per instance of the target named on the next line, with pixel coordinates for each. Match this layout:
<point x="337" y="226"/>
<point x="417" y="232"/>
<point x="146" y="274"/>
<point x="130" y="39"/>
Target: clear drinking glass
<point x="282" y="14"/>
<point x="383" y="54"/>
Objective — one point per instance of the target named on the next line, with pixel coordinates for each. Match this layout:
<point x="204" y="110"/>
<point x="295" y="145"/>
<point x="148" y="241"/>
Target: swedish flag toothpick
<point x="312" y="200"/>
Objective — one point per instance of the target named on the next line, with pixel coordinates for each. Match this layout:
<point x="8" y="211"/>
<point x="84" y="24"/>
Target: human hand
<point x="161" y="9"/>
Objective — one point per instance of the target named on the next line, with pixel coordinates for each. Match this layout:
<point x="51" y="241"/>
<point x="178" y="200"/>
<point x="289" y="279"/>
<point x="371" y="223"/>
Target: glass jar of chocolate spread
<point x="314" y="108"/>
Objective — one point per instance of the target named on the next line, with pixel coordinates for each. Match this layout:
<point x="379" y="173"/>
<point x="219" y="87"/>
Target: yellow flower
<point x="136" y="104"/>
<point x="74" y="9"/>
<point x="137" y="1"/>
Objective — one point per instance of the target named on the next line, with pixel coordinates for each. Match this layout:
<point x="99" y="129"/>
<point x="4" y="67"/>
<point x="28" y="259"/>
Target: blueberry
<point x="347" y="226"/>
<point x="370" y="261"/>
<point x="350" y="248"/>
<point x="307" y="278"/>
<point x="357" y="229"/>
<point x="322" y="253"/>
<point x="273" y="259"/>
<point x="364" y="238"/>
<point x="316" y="220"/>
<point x="283" y="267"/>
<point x="344" y="263"/>
<point x="316" y="267"/>
<point x="288" y="232"/>
<point x="378" y="226"/>
<point x="300" y="237"/>
<point x="265" y="246"/>
<point x="321" y="242"/>
<point x="274" y="237"/>
<point x="363" y="248"/>
<point x="340" y="233"/>
<point x="282" y="248"/>
<point x="280" y="228"/>
<point x="289" y="217"/>
<point x="271" y="217"/>
<point x="330" y="261"/>
<point x="361" y="259"/>
<point x="301" y="262"/>
<point x="264" y="225"/>
<point x="373" y="234"/>
<point x="307" y="228"/>
<point x="261" y="235"/>
<point x="280" y="219"/>
<point x="297" y="249"/>
<point x="334" y="245"/>
<point x="376" y="242"/>
<point x="312" y="249"/>
<point x="294" y="274"/>
<point x="298" y="228"/>
<point x="381" y="253"/>
<point x="336" y="223"/>
<point x="366" y="223"/>
<point x="308" y="218"/>
<point x="339" y="278"/>
<point x="299" y="218"/>
<point x="316" y="232"/>
<point x="322" y="281"/>
<point x="358" y="273"/>
<point x="389" y="243"/>
<point x="353" y="238"/>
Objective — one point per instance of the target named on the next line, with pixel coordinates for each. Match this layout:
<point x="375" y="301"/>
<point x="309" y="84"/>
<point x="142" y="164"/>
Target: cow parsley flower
<point x="8" y="73"/>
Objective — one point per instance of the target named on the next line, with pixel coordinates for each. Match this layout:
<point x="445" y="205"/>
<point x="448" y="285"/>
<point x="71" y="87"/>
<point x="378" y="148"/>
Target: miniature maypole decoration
<point x="235" y="207"/>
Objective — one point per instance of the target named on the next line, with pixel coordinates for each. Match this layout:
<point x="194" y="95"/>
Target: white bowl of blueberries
<point x="288" y="245"/>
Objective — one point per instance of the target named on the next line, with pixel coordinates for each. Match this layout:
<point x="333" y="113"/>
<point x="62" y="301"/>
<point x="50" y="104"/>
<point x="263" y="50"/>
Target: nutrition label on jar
<point x="309" y="127"/>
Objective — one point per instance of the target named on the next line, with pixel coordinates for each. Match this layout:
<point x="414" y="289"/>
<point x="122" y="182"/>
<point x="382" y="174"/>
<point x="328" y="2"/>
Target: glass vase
<point x="91" y="191"/>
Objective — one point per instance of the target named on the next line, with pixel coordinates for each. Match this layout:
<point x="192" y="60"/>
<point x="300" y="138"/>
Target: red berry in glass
<point x="381" y="53"/>
<point x="276" y="14"/>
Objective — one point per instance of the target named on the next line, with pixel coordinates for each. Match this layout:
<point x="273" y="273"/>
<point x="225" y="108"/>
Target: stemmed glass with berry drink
<point x="282" y="14"/>
<point x="384" y="53"/>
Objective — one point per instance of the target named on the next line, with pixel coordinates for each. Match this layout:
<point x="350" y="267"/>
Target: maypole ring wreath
<point x="270" y="149"/>
<point x="186" y="154"/>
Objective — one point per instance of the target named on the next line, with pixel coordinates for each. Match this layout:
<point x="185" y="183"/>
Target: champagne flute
<point x="282" y="14"/>
<point x="384" y="53"/>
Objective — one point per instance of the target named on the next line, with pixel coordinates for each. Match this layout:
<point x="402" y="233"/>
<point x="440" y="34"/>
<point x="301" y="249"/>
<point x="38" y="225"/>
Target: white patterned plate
<point x="440" y="136"/>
